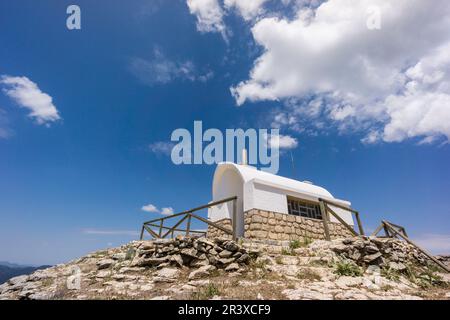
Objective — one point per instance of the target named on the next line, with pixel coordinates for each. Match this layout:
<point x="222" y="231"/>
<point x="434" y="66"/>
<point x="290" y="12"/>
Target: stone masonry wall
<point x="260" y="224"/>
<point x="216" y="233"/>
<point x="266" y="225"/>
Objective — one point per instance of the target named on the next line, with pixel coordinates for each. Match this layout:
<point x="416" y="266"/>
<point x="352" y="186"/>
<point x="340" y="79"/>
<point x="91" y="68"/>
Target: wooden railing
<point x="395" y="231"/>
<point x="164" y="231"/>
<point x="326" y="211"/>
<point x="391" y="230"/>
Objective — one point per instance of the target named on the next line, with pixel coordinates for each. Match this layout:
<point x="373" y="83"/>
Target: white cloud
<point x="162" y="70"/>
<point x="209" y="15"/>
<point x="435" y="243"/>
<point x="167" y="211"/>
<point x="248" y="9"/>
<point x="150" y="208"/>
<point x="103" y="232"/>
<point x="161" y="147"/>
<point x="27" y="95"/>
<point x="393" y="82"/>
<point x="282" y="141"/>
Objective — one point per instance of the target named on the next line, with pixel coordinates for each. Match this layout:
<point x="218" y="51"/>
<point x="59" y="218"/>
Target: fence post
<point x="142" y="233"/>
<point x="360" y="227"/>
<point x="188" y="225"/>
<point x="234" y="222"/>
<point x="323" y="209"/>
<point x="399" y="234"/>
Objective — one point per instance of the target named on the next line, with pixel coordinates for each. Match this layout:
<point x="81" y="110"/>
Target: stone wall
<point x="217" y="233"/>
<point x="266" y="225"/>
<point x="260" y="224"/>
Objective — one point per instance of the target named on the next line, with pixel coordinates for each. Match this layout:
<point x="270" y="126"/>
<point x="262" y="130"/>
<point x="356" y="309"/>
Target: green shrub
<point x="390" y="273"/>
<point x="428" y="278"/>
<point x="424" y="278"/>
<point x="294" y="244"/>
<point x="347" y="268"/>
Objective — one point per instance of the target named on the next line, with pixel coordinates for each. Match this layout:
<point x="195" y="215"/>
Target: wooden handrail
<point x="212" y="204"/>
<point x="404" y="237"/>
<point x="188" y="214"/>
<point x="337" y="205"/>
<point x="341" y="221"/>
<point x="180" y="230"/>
<point x="325" y="209"/>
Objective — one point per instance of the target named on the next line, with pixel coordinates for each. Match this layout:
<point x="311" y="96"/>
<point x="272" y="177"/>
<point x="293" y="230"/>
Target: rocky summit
<point x="201" y="268"/>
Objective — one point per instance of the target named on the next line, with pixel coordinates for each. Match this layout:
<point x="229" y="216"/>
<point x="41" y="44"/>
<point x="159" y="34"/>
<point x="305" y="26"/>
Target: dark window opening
<point x="304" y="209"/>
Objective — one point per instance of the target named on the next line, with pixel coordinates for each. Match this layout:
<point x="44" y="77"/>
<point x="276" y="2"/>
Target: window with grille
<point x="304" y="209"/>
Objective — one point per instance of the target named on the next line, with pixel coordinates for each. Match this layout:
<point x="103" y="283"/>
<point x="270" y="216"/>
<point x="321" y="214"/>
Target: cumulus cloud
<point x="167" y="211"/>
<point x="248" y="9"/>
<point x="27" y="95"/>
<point x="209" y="15"/>
<point x="150" y="208"/>
<point x="393" y="82"/>
<point x="153" y="209"/>
<point x="161" y="70"/>
<point x="283" y="142"/>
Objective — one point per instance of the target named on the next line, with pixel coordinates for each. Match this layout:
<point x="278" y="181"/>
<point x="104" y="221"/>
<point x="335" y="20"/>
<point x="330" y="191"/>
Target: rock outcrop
<point x="200" y="268"/>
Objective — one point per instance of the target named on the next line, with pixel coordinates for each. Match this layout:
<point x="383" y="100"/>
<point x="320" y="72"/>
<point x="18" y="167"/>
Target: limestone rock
<point x="167" y="275"/>
<point x="105" y="263"/>
<point x="225" y="254"/>
<point x="232" y="267"/>
<point x="201" y="272"/>
<point x="372" y="258"/>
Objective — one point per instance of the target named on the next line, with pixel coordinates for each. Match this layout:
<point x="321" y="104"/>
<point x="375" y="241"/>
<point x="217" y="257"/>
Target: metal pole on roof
<point x="293" y="166"/>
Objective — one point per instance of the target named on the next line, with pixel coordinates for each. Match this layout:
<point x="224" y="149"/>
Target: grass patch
<point x="47" y="282"/>
<point x="295" y="244"/>
<point x="347" y="268"/>
<point x="428" y="279"/>
<point x="308" y="274"/>
<point x="290" y="286"/>
<point x="131" y="253"/>
<point x="390" y="273"/>
<point x="287" y="252"/>
<point x="254" y="264"/>
<point x="207" y="292"/>
<point x="424" y="278"/>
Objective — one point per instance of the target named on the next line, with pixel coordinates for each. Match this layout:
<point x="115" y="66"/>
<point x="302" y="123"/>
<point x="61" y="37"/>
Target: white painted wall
<point x="229" y="184"/>
<point x="265" y="197"/>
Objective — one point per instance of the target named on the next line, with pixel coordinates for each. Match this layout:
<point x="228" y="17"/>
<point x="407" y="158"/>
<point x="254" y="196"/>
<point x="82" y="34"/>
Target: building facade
<point x="272" y="207"/>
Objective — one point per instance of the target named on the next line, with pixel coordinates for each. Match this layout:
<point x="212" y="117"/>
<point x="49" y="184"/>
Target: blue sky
<point x="74" y="181"/>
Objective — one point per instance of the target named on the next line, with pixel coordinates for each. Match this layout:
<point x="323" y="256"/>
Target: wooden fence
<point x="392" y="230"/>
<point x="164" y="230"/>
<point x="327" y="211"/>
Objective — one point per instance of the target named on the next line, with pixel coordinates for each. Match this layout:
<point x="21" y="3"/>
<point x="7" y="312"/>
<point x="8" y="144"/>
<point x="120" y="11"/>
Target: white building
<point x="261" y="190"/>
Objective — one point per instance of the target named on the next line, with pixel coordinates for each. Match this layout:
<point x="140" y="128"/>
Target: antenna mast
<point x="293" y="166"/>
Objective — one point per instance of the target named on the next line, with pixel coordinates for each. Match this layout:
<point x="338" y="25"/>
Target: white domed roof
<point x="251" y="173"/>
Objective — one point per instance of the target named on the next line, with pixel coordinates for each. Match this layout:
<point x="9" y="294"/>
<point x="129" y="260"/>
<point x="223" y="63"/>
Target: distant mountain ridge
<point x="9" y="270"/>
